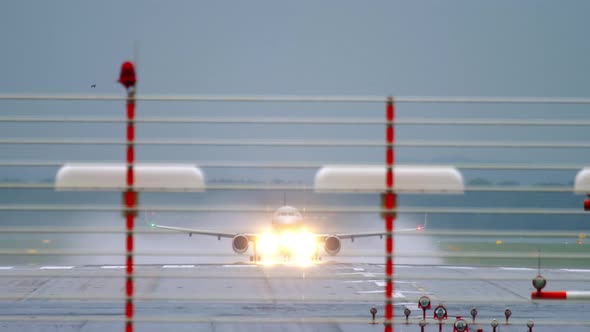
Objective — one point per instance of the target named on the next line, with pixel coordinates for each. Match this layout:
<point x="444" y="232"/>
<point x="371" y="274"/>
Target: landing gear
<point x="255" y="258"/>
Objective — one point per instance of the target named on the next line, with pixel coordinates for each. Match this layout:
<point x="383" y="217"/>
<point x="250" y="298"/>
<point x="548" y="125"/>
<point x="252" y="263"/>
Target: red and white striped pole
<point x="128" y="80"/>
<point x="390" y="201"/>
<point x="561" y="295"/>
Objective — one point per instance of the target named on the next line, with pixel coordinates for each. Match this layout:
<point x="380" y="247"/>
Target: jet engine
<point x="240" y="244"/>
<point x="332" y="245"/>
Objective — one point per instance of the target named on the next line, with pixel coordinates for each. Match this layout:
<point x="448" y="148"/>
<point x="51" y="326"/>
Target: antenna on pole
<point x="136" y="52"/>
<point x="539" y="261"/>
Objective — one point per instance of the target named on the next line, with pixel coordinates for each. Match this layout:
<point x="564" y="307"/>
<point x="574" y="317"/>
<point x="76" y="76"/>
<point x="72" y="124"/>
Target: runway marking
<point x="457" y="267"/>
<point x="364" y="274"/>
<point x="517" y="269"/>
<point x="113" y="267"/>
<point x="416" y="292"/>
<point x="357" y="281"/>
<point x="358" y="269"/>
<point x="6" y="267"/>
<point x="177" y="266"/>
<point x="239" y="265"/>
<point x="376" y="282"/>
<point x="396" y="295"/>
<point x="410" y="305"/>
<point x="576" y="270"/>
<point x="56" y="267"/>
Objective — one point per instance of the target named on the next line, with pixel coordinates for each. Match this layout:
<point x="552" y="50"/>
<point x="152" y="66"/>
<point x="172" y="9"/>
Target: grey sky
<point x="530" y="48"/>
<point x="493" y="48"/>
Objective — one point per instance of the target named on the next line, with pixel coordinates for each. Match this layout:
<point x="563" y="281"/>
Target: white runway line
<point x="239" y="265"/>
<point x="410" y="305"/>
<point x="112" y="267"/>
<point x="6" y="267"/>
<point x="178" y="266"/>
<point x="358" y="269"/>
<point x="517" y="268"/>
<point x="364" y="274"/>
<point x="396" y="295"/>
<point x="371" y="292"/>
<point x="56" y="267"/>
<point x="380" y="283"/>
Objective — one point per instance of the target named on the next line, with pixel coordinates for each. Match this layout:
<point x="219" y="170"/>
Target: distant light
<point x="498" y="242"/>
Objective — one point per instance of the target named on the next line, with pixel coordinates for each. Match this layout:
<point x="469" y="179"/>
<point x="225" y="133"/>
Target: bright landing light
<point x="293" y="247"/>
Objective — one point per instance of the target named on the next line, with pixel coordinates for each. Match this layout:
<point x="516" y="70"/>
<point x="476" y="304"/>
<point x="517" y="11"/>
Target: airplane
<point x="287" y="237"/>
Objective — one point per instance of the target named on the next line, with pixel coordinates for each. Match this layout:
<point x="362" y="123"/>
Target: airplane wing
<point x="369" y="234"/>
<point x="192" y="231"/>
<point x="353" y="236"/>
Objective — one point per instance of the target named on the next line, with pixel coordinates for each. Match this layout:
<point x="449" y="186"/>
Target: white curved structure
<point x="582" y="181"/>
<point x="148" y="177"/>
<point x="407" y="179"/>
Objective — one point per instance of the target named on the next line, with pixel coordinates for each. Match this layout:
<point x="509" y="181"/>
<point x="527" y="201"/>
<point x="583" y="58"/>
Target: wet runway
<point x="238" y="297"/>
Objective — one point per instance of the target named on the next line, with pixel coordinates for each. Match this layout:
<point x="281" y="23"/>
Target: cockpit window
<point x="288" y="213"/>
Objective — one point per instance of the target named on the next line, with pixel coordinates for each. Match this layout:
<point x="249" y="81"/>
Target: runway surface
<point x="245" y="297"/>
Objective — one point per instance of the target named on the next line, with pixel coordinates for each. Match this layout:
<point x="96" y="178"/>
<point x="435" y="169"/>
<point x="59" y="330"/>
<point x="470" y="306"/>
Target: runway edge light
<point x="111" y="177"/>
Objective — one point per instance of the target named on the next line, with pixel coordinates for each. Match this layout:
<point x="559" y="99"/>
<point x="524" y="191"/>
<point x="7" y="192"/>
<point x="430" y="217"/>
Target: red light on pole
<point x="587" y="204"/>
<point x="460" y="325"/>
<point x="424" y="304"/>
<point x="127" y="77"/>
<point x="440" y="313"/>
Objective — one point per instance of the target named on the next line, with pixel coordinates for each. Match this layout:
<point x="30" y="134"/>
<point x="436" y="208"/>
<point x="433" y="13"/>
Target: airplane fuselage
<point x="286" y="218"/>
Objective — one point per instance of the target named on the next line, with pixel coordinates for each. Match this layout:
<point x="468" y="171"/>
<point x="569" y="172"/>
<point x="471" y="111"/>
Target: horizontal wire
<point x="260" y="320"/>
<point x="311" y="99"/>
<point x="437" y="254"/>
<point x="296" y="164"/>
<point x="298" y="187"/>
<point x="316" y="209"/>
<point x="352" y="277"/>
<point x="425" y="232"/>
<point x="261" y="299"/>
<point x="311" y="143"/>
<point x="302" y="121"/>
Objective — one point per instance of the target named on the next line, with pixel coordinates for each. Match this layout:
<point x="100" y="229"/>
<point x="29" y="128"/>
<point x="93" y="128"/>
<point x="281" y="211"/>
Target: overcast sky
<point x="442" y="48"/>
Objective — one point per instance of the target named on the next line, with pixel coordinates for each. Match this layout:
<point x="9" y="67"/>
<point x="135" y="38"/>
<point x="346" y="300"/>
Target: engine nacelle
<point x="240" y="244"/>
<point x="332" y="245"/>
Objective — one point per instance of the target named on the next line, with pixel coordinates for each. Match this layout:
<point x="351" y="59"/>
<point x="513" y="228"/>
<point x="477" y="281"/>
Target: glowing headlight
<point x="267" y="244"/>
